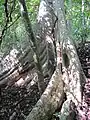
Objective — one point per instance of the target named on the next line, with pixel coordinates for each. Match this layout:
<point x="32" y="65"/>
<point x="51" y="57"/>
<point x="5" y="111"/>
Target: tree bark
<point x="51" y="99"/>
<point x="68" y="49"/>
<point x="45" y="23"/>
<point x="53" y="96"/>
<point x="13" y="68"/>
<point x="33" y="45"/>
<point x="74" y="77"/>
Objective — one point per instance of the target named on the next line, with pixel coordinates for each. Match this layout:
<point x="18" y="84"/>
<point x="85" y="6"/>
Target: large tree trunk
<point x="70" y="58"/>
<point x="53" y="96"/>
<point x="33" y="45"/>
<point x="44" y="39"/>
<point x="72" y="70"/>
<point x="45" y="26"/>
<point x="54" y="93"/>
<point x="16" y="66"/>
<point x="51" y="99"/>
<point x="74" y="78"/>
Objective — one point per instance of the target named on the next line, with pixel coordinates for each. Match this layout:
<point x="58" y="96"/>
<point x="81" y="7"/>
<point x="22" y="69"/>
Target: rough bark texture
<point x="70" y="57"/>
<point x="51" y="99"/>
<point x="44" y="41"/>
<point x="33" y="44"/>
<point x="45" y="25"/>
<point x="53" y="96"/>
<point x="16" y="66"/>
<point x="72" y="68"/>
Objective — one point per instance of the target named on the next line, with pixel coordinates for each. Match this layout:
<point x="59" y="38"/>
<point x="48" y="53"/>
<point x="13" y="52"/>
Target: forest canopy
<point x="77" y="17"/>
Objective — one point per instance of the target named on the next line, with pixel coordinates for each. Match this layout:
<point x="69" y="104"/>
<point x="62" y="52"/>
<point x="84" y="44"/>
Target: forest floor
<point x="16" y="102"/>
<point x="84" y="56"/>
<point x="85" y="110"/>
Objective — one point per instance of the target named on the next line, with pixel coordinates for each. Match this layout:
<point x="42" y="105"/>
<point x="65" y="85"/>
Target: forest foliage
<point x="12" y="31"/>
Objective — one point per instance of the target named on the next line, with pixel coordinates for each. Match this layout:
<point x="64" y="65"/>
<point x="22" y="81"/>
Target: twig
<point x="6" y="27"/>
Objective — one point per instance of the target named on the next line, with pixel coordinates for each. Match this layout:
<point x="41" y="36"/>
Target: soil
<point x="16" y="102"/>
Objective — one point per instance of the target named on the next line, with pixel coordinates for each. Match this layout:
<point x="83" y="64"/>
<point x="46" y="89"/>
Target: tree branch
<point x="7" y="27"/>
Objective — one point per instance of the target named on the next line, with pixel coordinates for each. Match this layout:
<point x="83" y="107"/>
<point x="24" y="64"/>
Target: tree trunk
<point x="33" y="44"/>
<point x="51" y="99"/>
<point x="53" y="96"/>
<point x="73" y="76"/>
<point x="45" y="22"/>
<point x="12" y="68"/>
